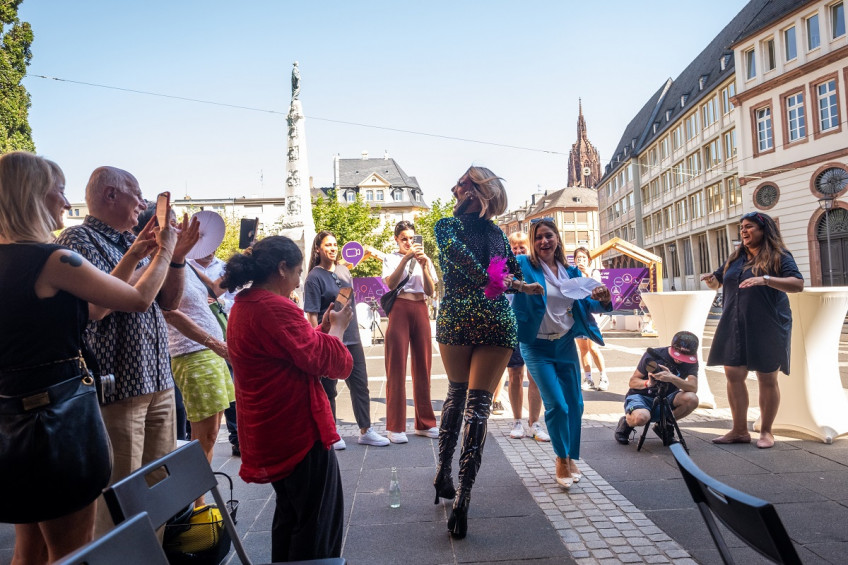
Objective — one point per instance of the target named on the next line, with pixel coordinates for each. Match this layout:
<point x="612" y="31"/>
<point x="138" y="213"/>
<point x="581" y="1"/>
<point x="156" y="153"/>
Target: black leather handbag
<point x="388" y="299"/>
<point x="55" y="454"/>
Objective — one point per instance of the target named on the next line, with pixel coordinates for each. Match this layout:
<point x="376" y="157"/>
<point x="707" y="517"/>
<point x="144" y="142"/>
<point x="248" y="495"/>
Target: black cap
<point x="684" y="347"/>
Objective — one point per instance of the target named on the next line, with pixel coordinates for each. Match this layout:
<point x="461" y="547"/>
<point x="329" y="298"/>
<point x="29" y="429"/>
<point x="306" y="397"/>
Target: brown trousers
<point x="408" y="326"/>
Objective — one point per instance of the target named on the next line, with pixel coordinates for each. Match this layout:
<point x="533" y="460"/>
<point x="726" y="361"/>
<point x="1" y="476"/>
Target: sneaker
<point x="432" y="433"/>
<point x="339" y="445"/>
<point x="603" y="383"/>
<point x="517" y="431"/>
<point x="396" y="437"/>
<point x="623" y="431"/>
<point x="497" y="407"/>
<point x="538" y="433"/>
<point x="236" y="451"/>
<point x="666" y="437"/>
<point x="588" y="383"/>
<point x="373" y="438"/>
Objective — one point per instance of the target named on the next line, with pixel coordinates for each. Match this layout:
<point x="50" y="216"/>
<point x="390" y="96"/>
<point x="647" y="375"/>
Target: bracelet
<point x="521" y="287"/>
<point x="178" y="265"/>
<point x="205" y="341"/>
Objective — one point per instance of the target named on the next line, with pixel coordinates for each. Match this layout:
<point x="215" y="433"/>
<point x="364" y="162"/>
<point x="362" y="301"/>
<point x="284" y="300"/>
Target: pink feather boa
<point x="497" y="275"/>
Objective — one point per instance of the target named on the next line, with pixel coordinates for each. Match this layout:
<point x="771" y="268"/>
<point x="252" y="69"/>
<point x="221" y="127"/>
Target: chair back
<point x="132" y="542"/>
<point x="753" y="520"/>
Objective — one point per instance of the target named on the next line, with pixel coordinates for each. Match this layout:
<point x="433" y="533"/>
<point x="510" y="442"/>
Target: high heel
<point x="563" y="474"/>
<point x="451" y="422"/>
<point x="473" y="441"/>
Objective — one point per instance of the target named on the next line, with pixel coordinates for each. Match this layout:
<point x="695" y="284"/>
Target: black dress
<point x="756" y="323"/>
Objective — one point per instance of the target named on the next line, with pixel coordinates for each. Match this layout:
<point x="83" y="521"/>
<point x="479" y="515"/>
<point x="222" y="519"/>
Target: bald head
<point x="114" y="197"/>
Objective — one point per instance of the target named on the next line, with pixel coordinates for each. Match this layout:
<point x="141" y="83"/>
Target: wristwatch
<point x="767" y="279"/>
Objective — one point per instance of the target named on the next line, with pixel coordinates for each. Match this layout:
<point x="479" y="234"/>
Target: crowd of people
<point x="113" y="297"/>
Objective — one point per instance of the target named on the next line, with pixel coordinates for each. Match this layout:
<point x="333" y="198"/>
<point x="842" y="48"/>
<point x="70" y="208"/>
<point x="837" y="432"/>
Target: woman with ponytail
<point x="286" y="427"/>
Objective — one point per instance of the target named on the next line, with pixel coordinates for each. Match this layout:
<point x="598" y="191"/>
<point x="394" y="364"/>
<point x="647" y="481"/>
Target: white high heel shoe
<point x="561" y="470"/>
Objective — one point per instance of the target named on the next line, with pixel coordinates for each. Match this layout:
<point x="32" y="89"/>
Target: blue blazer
<point x="530" y="309"/>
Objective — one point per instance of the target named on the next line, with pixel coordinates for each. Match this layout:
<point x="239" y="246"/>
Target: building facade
<point x="792" y="99"/>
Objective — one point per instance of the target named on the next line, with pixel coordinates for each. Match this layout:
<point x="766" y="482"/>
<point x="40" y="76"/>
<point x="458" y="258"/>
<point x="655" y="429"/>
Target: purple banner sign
<point x="368" y="290"/>
<point x="353" y="252"/>
<point x="624" y="286"/>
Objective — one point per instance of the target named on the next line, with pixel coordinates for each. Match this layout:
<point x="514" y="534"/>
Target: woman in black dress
<point x="755" y="327"/>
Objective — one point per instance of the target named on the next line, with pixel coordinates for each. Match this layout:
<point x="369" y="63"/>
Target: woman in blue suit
<point x="547" y="326"/>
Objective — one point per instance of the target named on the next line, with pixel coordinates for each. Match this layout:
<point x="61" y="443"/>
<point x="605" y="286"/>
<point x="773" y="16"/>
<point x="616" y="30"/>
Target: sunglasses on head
<point x="545" y="219"/>
<point x="754" y="216"/>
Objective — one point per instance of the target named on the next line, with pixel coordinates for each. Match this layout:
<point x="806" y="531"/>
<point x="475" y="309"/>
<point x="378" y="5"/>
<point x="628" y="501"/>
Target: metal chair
<point x="132" y="542"/>
<point x="188" y="477"/>
<point x="753" y="520"/>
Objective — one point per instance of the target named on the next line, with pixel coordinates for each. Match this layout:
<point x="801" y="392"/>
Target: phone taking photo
<point x="163" y="209"/>
<point x="343" y="298"/>
<point x="419" y="239"/>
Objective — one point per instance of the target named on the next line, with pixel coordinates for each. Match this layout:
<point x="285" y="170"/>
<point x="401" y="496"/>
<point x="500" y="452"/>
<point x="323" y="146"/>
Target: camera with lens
<point x="105" y="385"/>
<point x="652" y="365"/>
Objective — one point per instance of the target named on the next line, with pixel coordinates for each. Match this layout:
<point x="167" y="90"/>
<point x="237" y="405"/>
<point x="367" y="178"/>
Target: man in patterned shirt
<point x="133" y="346"/>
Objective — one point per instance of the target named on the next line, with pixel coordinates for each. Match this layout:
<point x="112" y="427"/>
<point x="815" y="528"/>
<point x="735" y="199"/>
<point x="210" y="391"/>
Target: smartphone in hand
<point x="419" y="239"/>
<point x="343" y="298"/>
<point x="163" y="209"/>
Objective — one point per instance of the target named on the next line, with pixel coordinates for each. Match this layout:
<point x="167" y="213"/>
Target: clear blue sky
<point x="499" y="71"/>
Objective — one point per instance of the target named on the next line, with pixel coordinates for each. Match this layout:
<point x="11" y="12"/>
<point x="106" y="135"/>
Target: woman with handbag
<point x="411" y="277"/>
<point x="55" y="456"/>
<point x="286" y="426"/>
<point x="475" y="328"/>
<point x="198" y="359"/>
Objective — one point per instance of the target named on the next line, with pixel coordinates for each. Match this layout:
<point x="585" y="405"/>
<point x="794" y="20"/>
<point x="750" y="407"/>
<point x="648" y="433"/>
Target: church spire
<point x="581" y="123"/>
<point x="584" y="163"/>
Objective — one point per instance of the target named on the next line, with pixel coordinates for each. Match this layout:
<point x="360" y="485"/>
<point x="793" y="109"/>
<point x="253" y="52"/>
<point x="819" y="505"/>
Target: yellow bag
<point x="203" y="539"/>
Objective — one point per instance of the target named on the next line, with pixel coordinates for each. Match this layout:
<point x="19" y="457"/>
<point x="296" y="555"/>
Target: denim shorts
<point x="641" y="402"/>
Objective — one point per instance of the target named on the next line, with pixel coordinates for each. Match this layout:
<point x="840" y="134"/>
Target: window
<point x="765" y="140"/>
<point x="667" y="215"/>
<point x="664" y="148"/>
<point x="350" y="195"/>
<point x="734" y="192"/>
<point x="582" y="217"/>
<point x="646" y="195"/>
<point x="789" y="47"/>
<point x="750" y="64"/>
<point x="652" y="156"/>
<point x="726" y="94"/>
<point x="677" y="138"/>
<point x="715" y="198"/>
<point x="721" y="247"/>
<point x="688" y="267"/>
<point x="769" y="59"/>
<point x="693" y="164"/>
<point x="657" y="223"/>
<point x="380" y="195"/>
<point x="397" y="195"/>
<point x="696" y="205"/>
<point x="666" y="181"/>
<point x="703" y="254"/>
<point x="837" y="20"/>
<point x="730" y="144"/>
<point x="680" y="210"/>
<point x="655" y="189"/>
<point x="692" y="125"/>
<point x="709" y="112"/>
<point x="795" y="121"/>
<point x="813" y="39"/>
<point x="369" y="195"/>
<point x="678" y="174"/>
<point x="712" y="154"/>
<point x="828" y="112"/>
<point x="646" y="226"/>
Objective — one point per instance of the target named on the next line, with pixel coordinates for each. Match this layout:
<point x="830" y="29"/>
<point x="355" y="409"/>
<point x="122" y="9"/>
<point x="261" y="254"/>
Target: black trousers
<point x="357" y="383"/>
<point x="309" y="517"/>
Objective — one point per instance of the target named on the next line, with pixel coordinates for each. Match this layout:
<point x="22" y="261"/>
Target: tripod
<point x="667" y="423"/>
<point x="375" y="324"/>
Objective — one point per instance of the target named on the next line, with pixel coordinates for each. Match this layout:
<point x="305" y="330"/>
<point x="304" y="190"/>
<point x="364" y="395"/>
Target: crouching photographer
<point x="665" y="373"/>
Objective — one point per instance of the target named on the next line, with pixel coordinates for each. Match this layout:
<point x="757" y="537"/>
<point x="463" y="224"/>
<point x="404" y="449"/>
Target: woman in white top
<point x="587" y="347"/>
<point x="409" y="332"/>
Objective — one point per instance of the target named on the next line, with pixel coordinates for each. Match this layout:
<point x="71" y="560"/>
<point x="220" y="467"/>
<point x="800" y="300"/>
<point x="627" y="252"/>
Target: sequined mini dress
<point x="466" y="317"/>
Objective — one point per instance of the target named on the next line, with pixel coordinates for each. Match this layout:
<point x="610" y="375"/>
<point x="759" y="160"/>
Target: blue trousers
<point x="555" y="367"/>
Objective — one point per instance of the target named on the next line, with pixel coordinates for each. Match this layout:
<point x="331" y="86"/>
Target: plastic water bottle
<point x="394" y="490"/>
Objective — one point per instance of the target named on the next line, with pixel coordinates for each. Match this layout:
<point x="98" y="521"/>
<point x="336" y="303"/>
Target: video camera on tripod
<point x="666" y="426"/>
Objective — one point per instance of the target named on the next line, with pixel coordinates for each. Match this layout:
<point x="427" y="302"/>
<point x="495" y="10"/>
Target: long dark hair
<point x="559" y="254"/>
<point x="261" y="262"/>
<point x="315" y="257"/>
<point x="772" y="248"/>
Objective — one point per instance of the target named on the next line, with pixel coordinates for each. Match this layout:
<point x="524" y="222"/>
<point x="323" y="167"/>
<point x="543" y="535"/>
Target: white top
<point x="194" y="305"/>
<point x="214" y="271"/>
<point x="416" y="280"/>
<point x="558" y="318"/>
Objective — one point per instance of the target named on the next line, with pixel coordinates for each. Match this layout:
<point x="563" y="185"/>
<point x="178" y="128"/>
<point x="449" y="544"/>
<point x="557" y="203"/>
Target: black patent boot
<point x="449" y="427"/>
<point x="473" y="440"/>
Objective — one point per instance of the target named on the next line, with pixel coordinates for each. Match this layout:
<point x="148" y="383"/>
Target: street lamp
<point x="826" y="204"/>
<point x="672" y="248"/>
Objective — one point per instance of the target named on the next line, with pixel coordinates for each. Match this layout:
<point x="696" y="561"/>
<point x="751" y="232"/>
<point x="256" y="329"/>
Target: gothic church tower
<point x="584" y="163"/>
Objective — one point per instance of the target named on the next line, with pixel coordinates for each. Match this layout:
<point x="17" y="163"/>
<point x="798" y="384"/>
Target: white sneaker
<point x="588" y="383"/>
<point x="517" y="431"/>
<point x="395" y="437"/>
<point x="603" y="383"/>
<point x="538" y="433"/>
<point x="339" y="445"/>
<point x="373" y="438"/>
<point x="432" y="433"/>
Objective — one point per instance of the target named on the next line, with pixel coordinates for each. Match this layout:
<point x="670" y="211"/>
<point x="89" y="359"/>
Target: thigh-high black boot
<point x="449" y="427"/>
<point x="473" y="440"/>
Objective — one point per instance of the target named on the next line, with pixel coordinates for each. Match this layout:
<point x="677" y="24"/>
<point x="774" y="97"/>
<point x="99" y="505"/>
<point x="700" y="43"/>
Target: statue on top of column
<point x="295" y="82"/>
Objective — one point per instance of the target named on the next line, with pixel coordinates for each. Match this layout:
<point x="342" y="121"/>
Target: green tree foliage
<point x="353" y="221"/>
<point x="229" y="245"/>
<point x="15" y="40"/>
<point x="425" y="225"/>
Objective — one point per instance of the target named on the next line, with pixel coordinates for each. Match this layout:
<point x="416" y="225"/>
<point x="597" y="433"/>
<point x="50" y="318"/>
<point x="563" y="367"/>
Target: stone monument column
<point x="297" y="223"/>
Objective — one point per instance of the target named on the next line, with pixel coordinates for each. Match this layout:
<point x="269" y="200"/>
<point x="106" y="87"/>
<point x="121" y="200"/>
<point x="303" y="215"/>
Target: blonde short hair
<point x="25" y="180"/>
<point x="518" y="237"/>
<point x="492" y="192"/>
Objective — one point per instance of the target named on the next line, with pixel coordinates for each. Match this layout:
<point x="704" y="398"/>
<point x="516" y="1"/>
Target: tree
<point x="15" y="40"/>
<point x="425" y="225"/>
<point x="353" y="221"/>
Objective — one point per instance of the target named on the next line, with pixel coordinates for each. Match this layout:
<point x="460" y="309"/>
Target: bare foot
<point x="766" y="440"/>
<point x="731" y="437"/>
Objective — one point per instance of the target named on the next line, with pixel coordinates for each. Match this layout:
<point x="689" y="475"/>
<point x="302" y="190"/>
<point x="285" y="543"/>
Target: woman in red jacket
<point x="286" y="428"/>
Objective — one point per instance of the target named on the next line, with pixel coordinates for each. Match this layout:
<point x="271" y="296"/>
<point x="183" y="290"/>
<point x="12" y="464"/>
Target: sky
<point x="501" y="72"/>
